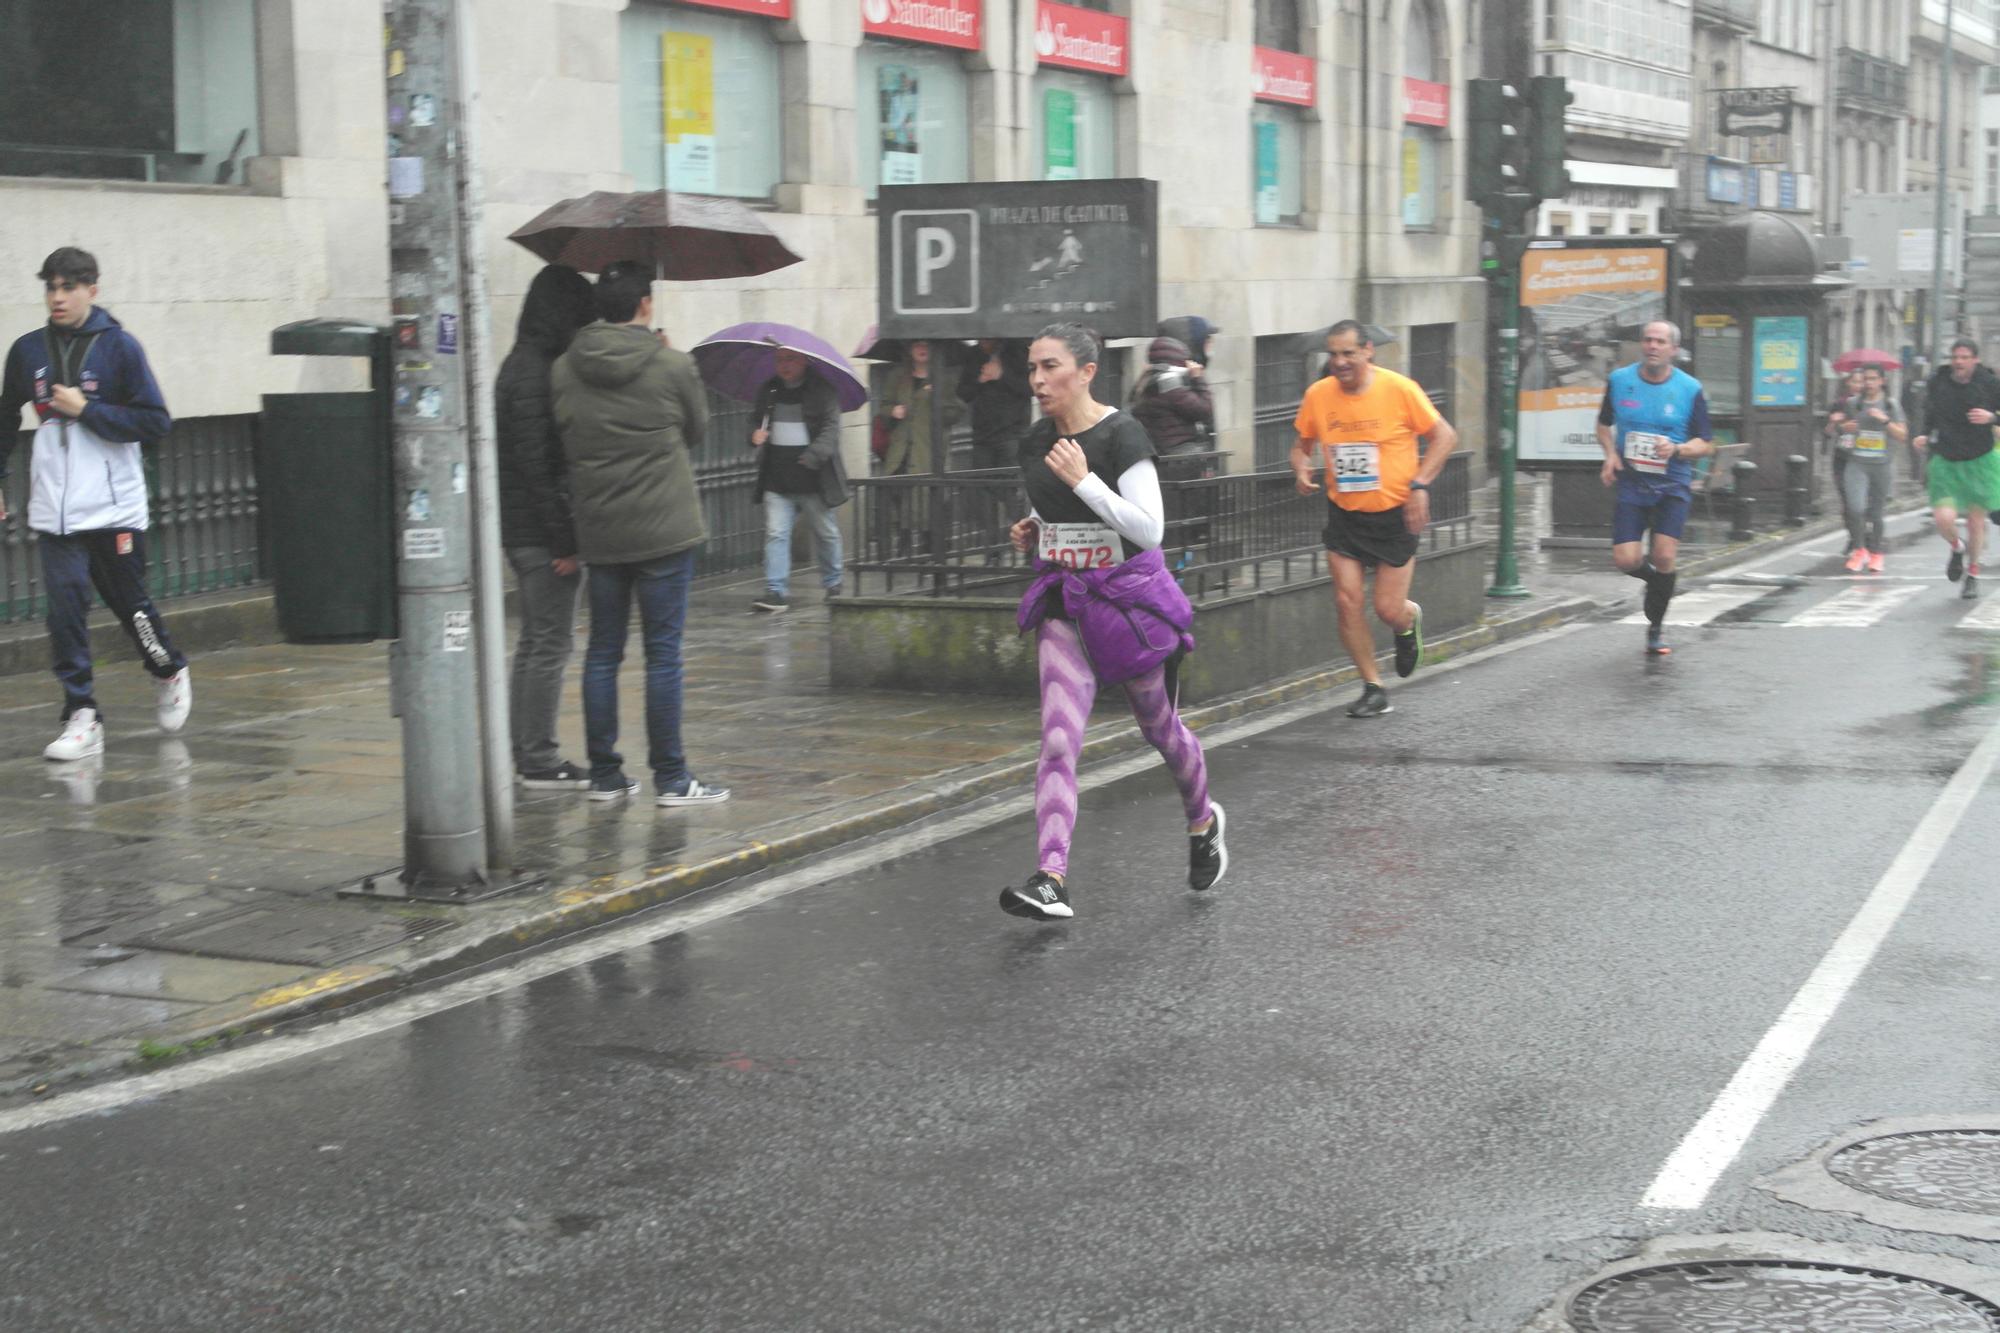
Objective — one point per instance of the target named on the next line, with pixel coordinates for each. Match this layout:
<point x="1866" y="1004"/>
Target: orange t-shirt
<point x="1367" y="440"/>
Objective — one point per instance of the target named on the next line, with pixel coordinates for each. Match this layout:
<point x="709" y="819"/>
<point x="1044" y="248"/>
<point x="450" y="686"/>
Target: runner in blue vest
<point x="1653" y="421"/>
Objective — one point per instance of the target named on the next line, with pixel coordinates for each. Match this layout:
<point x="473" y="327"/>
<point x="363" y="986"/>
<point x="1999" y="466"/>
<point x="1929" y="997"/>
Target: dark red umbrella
<point x="686" y="237"/>
<point x="1866" y="356"/>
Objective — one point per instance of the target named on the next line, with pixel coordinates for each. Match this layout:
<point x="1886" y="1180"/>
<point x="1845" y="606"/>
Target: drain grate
<point x="1775" y="1296"/>
<point x="305" y="934"/>
<point x="1953" y="1169"/>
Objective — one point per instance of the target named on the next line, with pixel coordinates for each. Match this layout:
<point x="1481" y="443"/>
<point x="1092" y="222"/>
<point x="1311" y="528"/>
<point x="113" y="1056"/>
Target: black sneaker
<point x="1374" y="702"/>
<point x="614" y="788"/>
<point x="772" y="602"/>
<point x="1410" y="644"/>
<point x="1041" y="899"/>
<point x="1208" y="858"/>
<point x="834" y="594"/>
<point x="1970" y="588"/>
<point x="1954" y="568"/>
<point x="1656" y="642"/>
<point x="563" y="777"/>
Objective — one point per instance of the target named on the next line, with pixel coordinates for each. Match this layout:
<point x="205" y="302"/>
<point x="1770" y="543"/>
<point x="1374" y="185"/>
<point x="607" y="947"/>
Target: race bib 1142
<point x="1643" y="451"/>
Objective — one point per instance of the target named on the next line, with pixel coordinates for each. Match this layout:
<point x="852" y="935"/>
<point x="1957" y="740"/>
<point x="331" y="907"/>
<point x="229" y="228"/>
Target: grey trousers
<point x="1864" y="490"/>
<point x="548" y="620"/>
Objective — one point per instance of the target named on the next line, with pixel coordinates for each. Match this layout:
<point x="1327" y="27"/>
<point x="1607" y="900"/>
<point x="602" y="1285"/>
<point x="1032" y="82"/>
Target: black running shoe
<point x="1954" y="568"/>
<point x="1040" y="899"/>
<point x="1970" y="588"/>
<point x="772" y="603"/>
<point x="1656" y="642"/>
<point x="1374" y="702"/>
<point x="1208" y="858"/>
<point x="1410" y="644"/>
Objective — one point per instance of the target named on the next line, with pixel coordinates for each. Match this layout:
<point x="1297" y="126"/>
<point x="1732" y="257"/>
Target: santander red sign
<point x="939" y="22"/>
<point x="1082" y="39"/>
<point x="1283" y="76"/>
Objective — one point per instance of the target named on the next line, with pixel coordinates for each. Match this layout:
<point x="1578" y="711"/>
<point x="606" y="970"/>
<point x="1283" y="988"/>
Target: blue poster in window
<point x="1779" y="361"/>
<point x="1788" y="190"/>
<point x="1725" y="182"/>
<point x="1267" y="172"/>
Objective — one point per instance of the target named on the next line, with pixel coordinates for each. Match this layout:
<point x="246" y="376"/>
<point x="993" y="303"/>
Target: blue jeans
<point x="780" y="511"/>
<point x="661" y="587"/>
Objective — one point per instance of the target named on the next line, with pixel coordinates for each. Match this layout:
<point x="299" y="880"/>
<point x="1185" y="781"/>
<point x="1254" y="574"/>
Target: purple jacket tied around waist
<point x="1131" y="617"/>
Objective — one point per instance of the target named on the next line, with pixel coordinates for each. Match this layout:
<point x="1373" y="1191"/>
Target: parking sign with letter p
<point x="936" y="261"/>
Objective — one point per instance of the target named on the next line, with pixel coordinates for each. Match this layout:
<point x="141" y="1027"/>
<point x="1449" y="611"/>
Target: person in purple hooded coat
<point x="1103" y="608"/>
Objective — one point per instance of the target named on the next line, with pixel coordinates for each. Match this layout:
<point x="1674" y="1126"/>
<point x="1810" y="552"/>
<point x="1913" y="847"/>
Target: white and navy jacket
<point x="88" y="473"/>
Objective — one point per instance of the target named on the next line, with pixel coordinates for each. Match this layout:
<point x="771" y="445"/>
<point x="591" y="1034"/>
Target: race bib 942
<point x="1356" y="467"/>
<point x="1081" y="545"/>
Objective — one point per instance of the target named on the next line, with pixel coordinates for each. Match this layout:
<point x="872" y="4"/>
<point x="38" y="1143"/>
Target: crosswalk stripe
<point x="1703" y="605"/>
<point x="1855" y="608"/>
<point x="1985" y="614"/>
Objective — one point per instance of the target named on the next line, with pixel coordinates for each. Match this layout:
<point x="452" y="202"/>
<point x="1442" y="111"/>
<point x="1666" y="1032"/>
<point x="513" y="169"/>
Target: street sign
<point x="1002" y="259"/>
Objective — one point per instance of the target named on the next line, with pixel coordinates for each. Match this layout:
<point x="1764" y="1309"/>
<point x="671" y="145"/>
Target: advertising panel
<point x="1283" y="76"/>
<point x="687" y="68"/>
<point x="1426" y="103"/>
<point x="1583" y="306"/>
<point x="1778" y="361"/>
<point x="1082" y="39"/>
<point x="937" y="22"/>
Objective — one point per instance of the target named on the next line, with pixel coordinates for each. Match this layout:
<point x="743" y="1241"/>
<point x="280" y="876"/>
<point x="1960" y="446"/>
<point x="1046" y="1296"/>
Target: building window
<point x="1559" y="224"/>
<point x="698" y="94"/>
<point x="1277" y="164"/>
<point x="1075" y="125"/>
<point x="912" y="116"/>
<point x="167" y="90"/>
<point x="1280" y="381"/>
<point x="1431" y="363"/>
<point x="1278" y="25"/>
<point x="1426" y="112"/>
<point x="1600" y="224"/>
<point x="1637" y="224"/>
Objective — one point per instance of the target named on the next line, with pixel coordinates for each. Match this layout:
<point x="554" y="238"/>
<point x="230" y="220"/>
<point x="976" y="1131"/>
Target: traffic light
<point x="1548" y="136"/>
<point x="1496" y="147"/>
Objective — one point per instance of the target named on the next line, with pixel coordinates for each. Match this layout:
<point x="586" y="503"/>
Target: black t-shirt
<point x="1110" y="447"/>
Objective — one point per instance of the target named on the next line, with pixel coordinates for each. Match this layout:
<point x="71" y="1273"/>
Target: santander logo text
<point x="1282" y="76"/>
<point x="1081" y="39"/>
<point x="947" y="22"/>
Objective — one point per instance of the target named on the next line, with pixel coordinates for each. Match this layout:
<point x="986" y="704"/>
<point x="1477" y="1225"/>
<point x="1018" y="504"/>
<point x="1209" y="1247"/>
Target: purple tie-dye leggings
<point x="1069" y="687"/>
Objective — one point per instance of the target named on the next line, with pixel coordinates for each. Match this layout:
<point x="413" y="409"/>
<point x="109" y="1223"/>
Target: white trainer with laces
<point x="175" y="696"/>
<point x="82" y="736"/>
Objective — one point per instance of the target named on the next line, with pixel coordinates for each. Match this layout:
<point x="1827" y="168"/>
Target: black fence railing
<point x="947" y="536"/>
<point x="204" y="534"/>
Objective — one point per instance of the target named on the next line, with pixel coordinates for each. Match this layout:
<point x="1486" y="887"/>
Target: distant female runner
<point x="1103" y="607"/>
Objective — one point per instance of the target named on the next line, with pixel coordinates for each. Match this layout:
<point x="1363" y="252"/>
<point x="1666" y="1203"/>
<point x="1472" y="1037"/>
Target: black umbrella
<point x="686" y="237"/>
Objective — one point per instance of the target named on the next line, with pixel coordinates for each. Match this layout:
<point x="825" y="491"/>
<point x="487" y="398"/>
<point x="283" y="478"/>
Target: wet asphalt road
<point x="1476" y="969"/>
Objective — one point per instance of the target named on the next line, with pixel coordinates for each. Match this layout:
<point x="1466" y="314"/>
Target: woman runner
<point x="1103" y="607"/>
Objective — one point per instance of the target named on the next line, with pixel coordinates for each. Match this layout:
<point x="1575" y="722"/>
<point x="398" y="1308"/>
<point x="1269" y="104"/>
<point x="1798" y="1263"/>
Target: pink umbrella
<point x="1866" y="356"/>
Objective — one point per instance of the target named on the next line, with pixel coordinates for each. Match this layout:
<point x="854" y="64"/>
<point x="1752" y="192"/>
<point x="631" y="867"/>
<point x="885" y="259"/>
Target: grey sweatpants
<point x="548" y="621"/>
<point x="1864" y="490"/>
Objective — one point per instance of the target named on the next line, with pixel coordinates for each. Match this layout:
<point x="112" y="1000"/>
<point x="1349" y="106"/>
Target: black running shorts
<point x="1373" y="538"/>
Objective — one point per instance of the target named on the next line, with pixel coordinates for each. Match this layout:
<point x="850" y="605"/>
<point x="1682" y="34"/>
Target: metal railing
<point x="204" y="535"/>
<point x="1870" y="78"/>
<point x="1226" y="534"/>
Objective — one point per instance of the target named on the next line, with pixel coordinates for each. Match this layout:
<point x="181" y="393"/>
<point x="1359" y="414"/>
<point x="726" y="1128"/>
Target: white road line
<point x="1704" y="605"/>
<point x="1855" y="608"/>
<point x="1984" y="615"/>
<point x="673" y="920"/>
<point x="1716" y="1139"/>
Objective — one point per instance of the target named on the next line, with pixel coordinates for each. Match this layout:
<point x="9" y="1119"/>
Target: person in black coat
<point x="994" y="388"/>
<point x="535" y="524"/>
<point x="795" y="427"/>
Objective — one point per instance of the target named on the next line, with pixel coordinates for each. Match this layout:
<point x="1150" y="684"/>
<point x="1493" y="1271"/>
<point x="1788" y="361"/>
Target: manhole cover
<point x="1775" y="1296"/>
<point x="294" y="933"/>
<point x="1953" y="1169"/>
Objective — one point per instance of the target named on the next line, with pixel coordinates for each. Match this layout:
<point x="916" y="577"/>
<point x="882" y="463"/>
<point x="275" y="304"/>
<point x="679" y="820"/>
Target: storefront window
<point x="1426" y="113"/>
<point x="699" y="98"/>
<point x="166" y="90"/>
<point x="912" y="116"/>
<point x="1075" y="126"/>
<point x="1277" y="164"/>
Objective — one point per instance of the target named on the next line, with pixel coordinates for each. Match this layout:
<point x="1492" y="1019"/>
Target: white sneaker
<point x="175" y="696"/>
<point x="82" y="736"/>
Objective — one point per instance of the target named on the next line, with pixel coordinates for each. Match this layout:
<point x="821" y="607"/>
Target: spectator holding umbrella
<point x="798" y="386"/>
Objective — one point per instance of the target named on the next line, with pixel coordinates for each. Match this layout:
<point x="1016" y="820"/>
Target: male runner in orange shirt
<point x="1365" y="422"/>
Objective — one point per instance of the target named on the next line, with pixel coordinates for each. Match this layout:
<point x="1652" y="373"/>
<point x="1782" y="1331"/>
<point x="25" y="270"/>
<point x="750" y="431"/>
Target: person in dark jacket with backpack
<point x="796" y="426"/>
<point x="535" y="524"/>
<point x="97" y="407"/>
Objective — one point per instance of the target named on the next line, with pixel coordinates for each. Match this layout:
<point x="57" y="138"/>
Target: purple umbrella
<point x="742" y="358"/>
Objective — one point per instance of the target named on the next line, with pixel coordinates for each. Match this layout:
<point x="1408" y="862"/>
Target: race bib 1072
<point x="1081" y="545"/>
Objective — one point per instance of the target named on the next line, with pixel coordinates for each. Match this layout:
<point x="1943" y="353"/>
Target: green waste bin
<point x="326" y="492"/>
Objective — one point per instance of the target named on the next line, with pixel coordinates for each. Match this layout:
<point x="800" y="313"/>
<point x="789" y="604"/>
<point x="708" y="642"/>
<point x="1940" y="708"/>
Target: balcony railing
<point x="1736" y="13"/>
<point x="1872" y="80"/>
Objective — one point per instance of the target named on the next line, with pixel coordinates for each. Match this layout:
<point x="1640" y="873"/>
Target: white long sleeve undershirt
<point x="1135" y="510"/>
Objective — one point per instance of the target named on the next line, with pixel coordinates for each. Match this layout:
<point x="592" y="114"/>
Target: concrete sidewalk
<point x="182" y="892"/>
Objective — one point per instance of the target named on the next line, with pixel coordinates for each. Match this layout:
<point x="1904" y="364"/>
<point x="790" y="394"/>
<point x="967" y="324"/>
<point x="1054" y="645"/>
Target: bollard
<point x="1744" y="515"/>
<point x="1797" y="496"/>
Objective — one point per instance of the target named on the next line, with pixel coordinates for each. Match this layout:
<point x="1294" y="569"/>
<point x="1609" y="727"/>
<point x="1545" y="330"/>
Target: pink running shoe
<point x="1875" y="562"/>
<point x="1856" y="559"/>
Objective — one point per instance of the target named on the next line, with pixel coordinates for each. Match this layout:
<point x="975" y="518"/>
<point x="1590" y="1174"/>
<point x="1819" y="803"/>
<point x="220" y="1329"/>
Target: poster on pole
<point x="1779" y="359"/>
<point x="1583" y="305"/>
<point x="687" y="77"/>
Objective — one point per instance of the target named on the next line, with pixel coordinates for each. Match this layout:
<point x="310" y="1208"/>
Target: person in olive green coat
<point x="628" y="409"/>
<point x="907" y="403"/>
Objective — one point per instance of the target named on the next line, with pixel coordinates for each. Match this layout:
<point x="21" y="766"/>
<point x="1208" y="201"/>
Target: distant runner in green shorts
<point x="1960" y="407"/>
